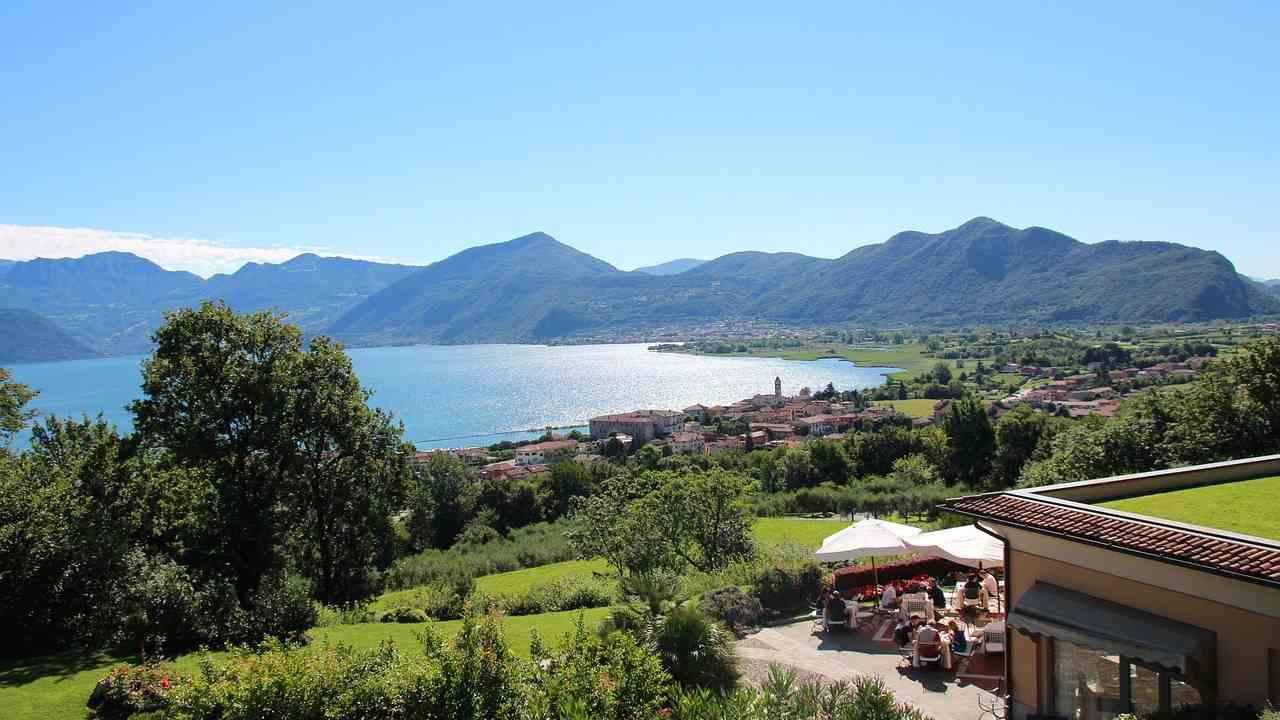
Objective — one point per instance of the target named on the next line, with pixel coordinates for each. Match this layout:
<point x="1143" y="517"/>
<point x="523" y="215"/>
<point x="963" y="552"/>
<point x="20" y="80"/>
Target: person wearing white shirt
<point x="990" y="584"/>
<point x="889" y="598"/>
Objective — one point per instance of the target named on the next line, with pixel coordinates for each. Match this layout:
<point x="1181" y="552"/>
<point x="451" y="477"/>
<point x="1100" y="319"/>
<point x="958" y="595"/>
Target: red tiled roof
<point x="1203" y="550"/>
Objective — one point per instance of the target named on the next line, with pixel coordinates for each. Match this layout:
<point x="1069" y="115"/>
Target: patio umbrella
<point x="867" y="538"/>
<point x="966" y="545"/>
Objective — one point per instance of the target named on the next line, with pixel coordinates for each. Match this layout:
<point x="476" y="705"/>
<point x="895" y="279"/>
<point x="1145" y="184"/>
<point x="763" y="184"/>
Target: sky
<point x="204" y="136"/>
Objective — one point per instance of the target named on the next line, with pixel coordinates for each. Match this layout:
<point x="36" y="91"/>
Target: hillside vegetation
<point x="26" y="336"/>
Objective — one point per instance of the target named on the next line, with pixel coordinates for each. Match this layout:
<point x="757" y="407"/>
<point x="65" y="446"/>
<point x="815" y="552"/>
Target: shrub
<point x="129" y="689"/>
<point x="282" y="608"/>
<point x="782" y="696"/>
<point x="732" y="606"/>
<point x="571" y="593"/>
<point x="330" y="615"/>
<point x="614" y="677"/>
<point x="404" y="614"/>
<point x="696" y="651"/>
<point x="787" y="589"/>
<point x="531" y="546"/>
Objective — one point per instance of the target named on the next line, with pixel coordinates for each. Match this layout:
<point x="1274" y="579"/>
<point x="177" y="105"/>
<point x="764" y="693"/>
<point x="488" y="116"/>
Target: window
<point x="1095" y="685"/>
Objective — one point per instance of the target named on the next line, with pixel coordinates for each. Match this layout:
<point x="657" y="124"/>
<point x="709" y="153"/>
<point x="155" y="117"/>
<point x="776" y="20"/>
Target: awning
<point x="1099" y="624"/>
<point x="966" y="545"/>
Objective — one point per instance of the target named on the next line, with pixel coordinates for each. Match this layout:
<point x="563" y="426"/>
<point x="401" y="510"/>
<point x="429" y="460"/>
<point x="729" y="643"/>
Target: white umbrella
<point x="966" y="545"/>
<point x="867" y="538"/>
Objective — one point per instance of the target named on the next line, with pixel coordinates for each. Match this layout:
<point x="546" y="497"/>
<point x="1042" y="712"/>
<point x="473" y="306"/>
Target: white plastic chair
<point x="917" y="606"/>
<point x="993" y="637"/>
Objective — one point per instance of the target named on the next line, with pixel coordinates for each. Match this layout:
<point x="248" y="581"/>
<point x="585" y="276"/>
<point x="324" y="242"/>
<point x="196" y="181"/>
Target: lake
<point x="462" y="395"/>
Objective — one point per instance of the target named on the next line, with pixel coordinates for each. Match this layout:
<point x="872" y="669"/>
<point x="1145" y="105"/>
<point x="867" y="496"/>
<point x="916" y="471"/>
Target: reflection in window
<point x="1181" y="693"/>
<point x="1094" y="685"/>
<point x="1086" y="682"/>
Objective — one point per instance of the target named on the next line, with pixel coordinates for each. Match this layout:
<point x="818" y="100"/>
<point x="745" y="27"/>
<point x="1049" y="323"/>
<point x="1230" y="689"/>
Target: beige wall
<point x="1245" y="638"/>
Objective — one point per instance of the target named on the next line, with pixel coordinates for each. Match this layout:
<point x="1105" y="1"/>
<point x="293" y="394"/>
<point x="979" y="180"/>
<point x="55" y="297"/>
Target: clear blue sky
<point x="645" y="132"/>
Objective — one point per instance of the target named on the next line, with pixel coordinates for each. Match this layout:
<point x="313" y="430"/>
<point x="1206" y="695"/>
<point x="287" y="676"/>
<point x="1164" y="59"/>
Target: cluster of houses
<point x="776" y="420"/>
<point x="1092" y="394"/>
<point x="772" y="420"/>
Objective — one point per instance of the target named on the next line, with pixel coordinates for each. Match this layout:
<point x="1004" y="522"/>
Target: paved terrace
<point x="940" y="694"/>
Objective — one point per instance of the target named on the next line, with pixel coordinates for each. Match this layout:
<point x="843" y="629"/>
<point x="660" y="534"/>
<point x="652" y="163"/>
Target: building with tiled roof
<point x="1112" y="611"/>
<point x="643" y="425"/>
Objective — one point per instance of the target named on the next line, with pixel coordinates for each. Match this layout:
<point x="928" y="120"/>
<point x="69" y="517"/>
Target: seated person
<point x="889" y="598"/>
<point x="973" y="587"/>
<point x="935" y="594"/>
<point x="904" y="632"/>
<point x="836" y="610"/>
<point x="823" y="597"/>
<point x="959" y="642"/>
<point x="990" y="584"/>
<point x="929" y="641"/>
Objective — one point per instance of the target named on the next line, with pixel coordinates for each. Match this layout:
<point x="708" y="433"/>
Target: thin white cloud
<point x="202" y="257"/>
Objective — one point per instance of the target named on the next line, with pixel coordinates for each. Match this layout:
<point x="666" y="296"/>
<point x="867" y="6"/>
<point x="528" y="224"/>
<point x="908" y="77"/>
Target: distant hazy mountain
<point x="314" y="289"/>
<point x="1272" y="286"/>
<point x="671" y="267"/>
<point x="535" y="288"/>
<point x="516" y="289"/>
<point x="113" y="301"/>
<point x="26" y="336"/>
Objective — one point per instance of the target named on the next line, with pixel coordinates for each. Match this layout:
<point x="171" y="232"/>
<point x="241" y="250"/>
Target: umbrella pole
<point x="875" y="573"/>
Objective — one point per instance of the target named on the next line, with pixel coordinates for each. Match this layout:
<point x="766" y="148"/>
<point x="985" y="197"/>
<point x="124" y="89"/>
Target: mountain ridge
<point x="671" y="267"/>
<point x="981" y="271"/>
<point x="535" y="288"/>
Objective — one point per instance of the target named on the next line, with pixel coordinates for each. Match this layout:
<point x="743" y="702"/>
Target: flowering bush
<point x="130" y="689"/>
<point x="848" y="578"/>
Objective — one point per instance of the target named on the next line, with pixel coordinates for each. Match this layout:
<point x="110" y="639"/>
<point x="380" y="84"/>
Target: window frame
<point x="1166" y="677"/>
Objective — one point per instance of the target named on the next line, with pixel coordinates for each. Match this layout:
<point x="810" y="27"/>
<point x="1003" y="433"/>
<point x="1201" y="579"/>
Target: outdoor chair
<point x="929" y="653"/>
<point x="916" y="606"/>
<point x="829" y="622"/>
<point x="993" y="637"/>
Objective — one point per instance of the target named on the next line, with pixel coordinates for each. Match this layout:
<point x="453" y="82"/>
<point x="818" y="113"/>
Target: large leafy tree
<point x="1018" y="434"/>
<point x="443" y="500"/>
<point x="661" y="522"/>
<point x="350" y="477"/>
<point x="14" y="414"/>
<point x="971" y="441"/>
<point x="290" y="449"/>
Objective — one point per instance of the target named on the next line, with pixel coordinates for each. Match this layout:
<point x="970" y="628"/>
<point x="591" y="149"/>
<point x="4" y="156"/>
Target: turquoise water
<point x="461" y="395"/>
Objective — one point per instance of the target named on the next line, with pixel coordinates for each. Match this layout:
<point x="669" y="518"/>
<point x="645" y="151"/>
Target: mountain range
<point x="671" y="267"/>
<point x="535" y="289"/>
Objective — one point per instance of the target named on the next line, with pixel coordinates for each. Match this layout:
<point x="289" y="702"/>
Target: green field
<point x="802" y="531"/>
<point x="516" y="582"/>
<point x="56" y="687"/>
<point x="914" y="408"/>
<point x="1245" y="506"/>
<point x="909" y="359"/>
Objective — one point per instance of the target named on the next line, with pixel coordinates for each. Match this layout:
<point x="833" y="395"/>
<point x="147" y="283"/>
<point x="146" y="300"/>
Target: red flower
<point x="164" y="683"/>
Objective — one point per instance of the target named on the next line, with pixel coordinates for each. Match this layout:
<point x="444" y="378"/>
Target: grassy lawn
<point x="1246" y="506"/>
<point x="910" y="359"/>
<point x="803" y="531"/>
<point x="551" y="626"/>
<point x="914" y="408"/>
<point x="515" y="582"/>
<point x="55" y="687"/>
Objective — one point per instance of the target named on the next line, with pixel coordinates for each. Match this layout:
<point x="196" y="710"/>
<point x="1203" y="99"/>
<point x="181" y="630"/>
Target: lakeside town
<point x="772" y="420"/>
